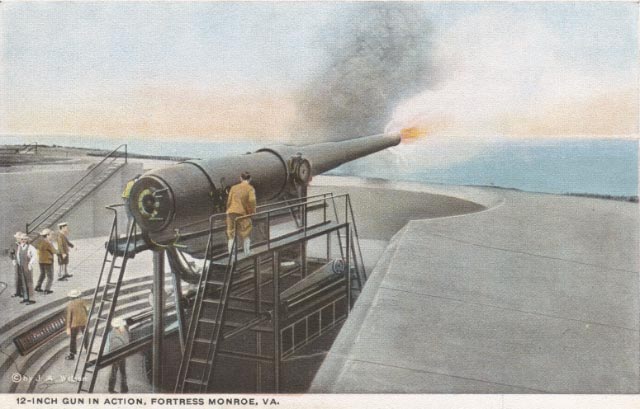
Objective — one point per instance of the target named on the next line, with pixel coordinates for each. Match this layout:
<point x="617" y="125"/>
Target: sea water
<point x="577" y="166"/>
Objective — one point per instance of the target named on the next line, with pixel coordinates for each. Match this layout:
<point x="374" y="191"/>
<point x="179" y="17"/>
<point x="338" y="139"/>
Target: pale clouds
<point x="503" y="74"/>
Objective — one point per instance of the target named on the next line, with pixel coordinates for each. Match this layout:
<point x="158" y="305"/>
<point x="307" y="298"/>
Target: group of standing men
<point x="25" y="256"/>
<point x="241" y="202"/>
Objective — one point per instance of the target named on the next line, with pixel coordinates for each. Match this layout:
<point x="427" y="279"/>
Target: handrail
<point x="93" y="169"/>
<point x="287" y="201"/>
<point x="290" y="206"/>
<point x="356" y="239"/>
<point x="26" y="146"/>
<point x="305" y="203"/>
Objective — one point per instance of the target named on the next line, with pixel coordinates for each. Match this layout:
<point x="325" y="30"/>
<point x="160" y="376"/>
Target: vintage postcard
<point x="319" y="204"/>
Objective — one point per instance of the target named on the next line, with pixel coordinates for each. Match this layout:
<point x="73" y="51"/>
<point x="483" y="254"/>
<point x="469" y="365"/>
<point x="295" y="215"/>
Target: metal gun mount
<point x="180" y="209"/>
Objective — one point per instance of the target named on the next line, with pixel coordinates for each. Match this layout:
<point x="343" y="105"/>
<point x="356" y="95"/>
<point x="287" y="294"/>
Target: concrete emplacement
<point x="482" y="290"/>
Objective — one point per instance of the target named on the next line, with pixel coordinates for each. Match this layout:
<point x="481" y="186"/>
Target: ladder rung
<point x="203" y="341"/>
<point x="234" y="324"/>
<point x="211" y="300"/>
<point x="208" y="321"/>
<point x="201" y="361"/>
<point x="195" y="381"/>
<point x="215" y="282"/>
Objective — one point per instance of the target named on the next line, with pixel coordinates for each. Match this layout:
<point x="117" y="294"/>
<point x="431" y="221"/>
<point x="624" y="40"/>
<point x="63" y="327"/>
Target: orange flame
<point x="412" y="133"/>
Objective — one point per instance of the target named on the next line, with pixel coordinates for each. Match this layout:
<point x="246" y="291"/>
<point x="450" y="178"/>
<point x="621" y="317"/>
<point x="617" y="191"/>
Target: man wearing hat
<point x="126" y="196"/>
<point x="46" y="253"/>
<point x="117" y="338"/>
<point x="26" y="257"/>
<point x="241" y="202"/>
<point x="76" y="321"/>
<point x="63" y="251"/>
<point x="16" y="270"/>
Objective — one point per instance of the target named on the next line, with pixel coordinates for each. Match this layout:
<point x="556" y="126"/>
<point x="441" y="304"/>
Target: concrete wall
<point x="26" y="194"/>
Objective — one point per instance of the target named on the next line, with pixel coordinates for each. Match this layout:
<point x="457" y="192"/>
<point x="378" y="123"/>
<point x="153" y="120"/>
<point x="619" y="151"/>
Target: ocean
<point x="606" y="167"/>
<point x="576" y="166"/>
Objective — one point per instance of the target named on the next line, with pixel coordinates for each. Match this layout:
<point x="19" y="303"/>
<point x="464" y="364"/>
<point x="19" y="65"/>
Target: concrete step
<point x="134" y="287"/>
<point x="51" y="352"/>
<point x="12" y="327"/>
<point x="25" y="365"/>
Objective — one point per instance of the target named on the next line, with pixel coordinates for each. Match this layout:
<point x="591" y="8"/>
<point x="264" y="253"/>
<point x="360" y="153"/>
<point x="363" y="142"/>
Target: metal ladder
<point x="358" y="274"/>
<point x="196" y="368"/>
<point x="108" y="297"/>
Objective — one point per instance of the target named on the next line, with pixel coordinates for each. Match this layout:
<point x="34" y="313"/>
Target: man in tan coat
<point x="76" y="321"/>
<point x="241" y="202"/>
<point x="46" y="253"/>
<point x="63" y="251"/>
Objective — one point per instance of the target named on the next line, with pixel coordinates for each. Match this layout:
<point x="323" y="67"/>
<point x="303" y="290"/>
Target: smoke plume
<point x="514" y="76"/>
<point x="380" y="56"/>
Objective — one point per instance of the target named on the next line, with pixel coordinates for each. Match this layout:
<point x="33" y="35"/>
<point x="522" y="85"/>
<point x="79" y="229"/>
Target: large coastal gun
<point x="173" y="204"/>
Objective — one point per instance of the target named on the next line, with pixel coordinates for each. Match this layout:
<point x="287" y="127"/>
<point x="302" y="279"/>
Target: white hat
<point x="45" y="232"/>
<point x="18" y="235"/>
<point x="118" y="322"/>
<point x="24" y="236"/>
<point x="75" y="293"/>
<point x="61" y="225"/>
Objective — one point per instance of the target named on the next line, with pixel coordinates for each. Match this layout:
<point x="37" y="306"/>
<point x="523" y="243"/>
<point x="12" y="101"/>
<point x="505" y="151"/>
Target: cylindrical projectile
<point x="171" y="199"/>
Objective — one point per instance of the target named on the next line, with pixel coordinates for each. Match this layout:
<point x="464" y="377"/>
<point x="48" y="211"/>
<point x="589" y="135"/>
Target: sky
<point x="252" y="70"/>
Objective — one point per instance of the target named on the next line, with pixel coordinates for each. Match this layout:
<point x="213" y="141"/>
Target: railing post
<point x="277" y="356"/>
<point x="126" y="155"/>
<point x="158" y="319"/>
<point x="348" y="269"/>
<point x="324" y="209"/>
<point x="258" y="310"/>
<point x="177" y="293"/>
<point x="268" y="230"/>
<point x="347" y="203"/>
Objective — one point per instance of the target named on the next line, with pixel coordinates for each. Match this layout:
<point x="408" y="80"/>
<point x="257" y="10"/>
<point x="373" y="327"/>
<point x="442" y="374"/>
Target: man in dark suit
<point x="13" y="250"/>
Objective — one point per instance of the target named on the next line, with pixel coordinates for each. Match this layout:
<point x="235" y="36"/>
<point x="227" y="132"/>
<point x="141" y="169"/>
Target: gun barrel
<point x="329" y="155"/>
<point x="171" y="198"/>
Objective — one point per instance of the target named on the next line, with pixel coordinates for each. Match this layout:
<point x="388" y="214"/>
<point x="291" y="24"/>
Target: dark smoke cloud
<point x="380" y="56"/>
